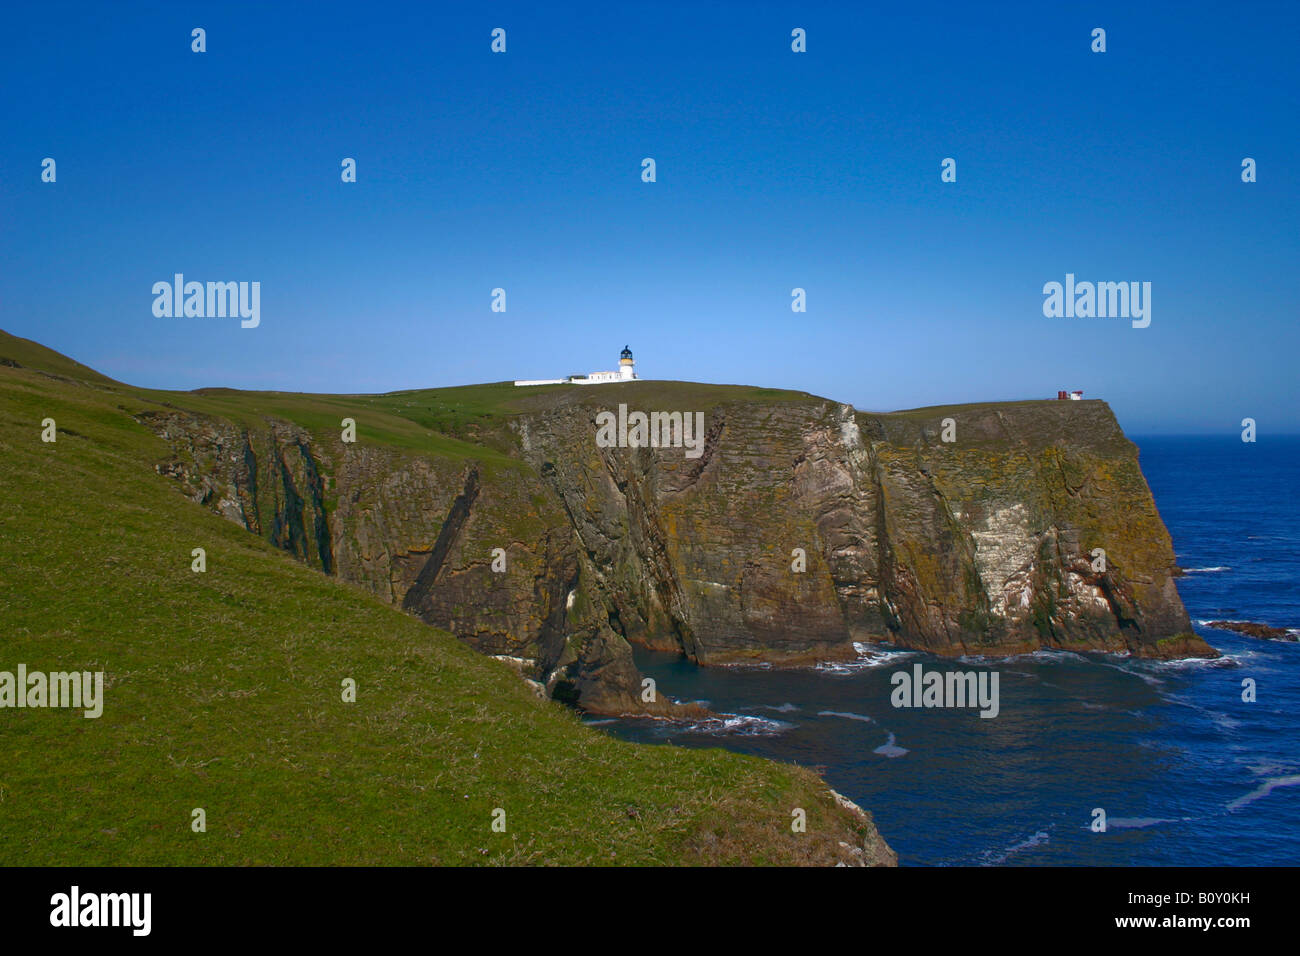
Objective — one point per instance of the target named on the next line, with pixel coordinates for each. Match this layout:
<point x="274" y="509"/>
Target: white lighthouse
<point x="626" y="365"/>
<point x="626" y="373"/>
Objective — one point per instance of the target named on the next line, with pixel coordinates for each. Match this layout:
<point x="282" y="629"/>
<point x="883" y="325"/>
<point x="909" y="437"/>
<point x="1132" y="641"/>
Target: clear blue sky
<point x="775" y="170"/>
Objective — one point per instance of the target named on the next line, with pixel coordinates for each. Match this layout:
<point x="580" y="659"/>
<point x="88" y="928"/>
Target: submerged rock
<point x="1255" y="629"/>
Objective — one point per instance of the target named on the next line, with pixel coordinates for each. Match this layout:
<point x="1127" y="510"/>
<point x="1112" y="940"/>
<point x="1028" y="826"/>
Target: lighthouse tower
<point x="626" y="373"/>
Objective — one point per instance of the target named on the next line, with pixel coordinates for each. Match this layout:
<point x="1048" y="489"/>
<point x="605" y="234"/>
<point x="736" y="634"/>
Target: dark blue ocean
<point x="1186" y="772"/>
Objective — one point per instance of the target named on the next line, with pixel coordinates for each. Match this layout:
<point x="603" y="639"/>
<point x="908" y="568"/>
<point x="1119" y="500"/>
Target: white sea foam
<point x="1205" y="570"/>
<point x="994" y="857"/>
<point x="837" y="667"/>
<point x="847" y="715"/>
<point x="1224" y="722"/>
<point x="1269" y="768"/>
<point x="868" y="658"/>
<point x="741" y="725"/>
<point x="1050" y="654"/>
<point x="1136" y="823"/>
<point x="1136" y="670"/>
<point x="1225" y="660"/>
<point x="889" y="749"/>
<point x="1267" y="787"/>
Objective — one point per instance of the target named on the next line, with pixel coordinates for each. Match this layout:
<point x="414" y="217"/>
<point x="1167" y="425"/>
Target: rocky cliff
<point x="797" y="528"/>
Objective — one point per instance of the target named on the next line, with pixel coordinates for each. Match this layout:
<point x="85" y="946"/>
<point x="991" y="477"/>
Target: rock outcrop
<point x="800" y="528"/>
<point x="1265" y="632"/>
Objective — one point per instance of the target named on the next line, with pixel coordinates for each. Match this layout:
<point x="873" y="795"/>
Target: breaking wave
<point x="868" y="657"/>
<point x="740" y="725"/>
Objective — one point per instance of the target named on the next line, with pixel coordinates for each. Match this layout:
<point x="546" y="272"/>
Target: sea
<point x="1182" y="769"/>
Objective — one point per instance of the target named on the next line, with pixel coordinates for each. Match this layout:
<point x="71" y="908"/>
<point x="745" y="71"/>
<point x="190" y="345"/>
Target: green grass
<point x="223" y="689"/>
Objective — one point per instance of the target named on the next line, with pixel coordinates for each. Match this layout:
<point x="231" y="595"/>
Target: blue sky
<point x="775" y="170"/>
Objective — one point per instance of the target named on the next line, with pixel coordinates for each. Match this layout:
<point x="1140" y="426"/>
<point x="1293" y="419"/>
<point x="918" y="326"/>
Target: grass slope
<point x="223" y="689"/>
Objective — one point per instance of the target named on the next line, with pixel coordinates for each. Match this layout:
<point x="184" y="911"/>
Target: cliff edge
<point x="787" y="530"/>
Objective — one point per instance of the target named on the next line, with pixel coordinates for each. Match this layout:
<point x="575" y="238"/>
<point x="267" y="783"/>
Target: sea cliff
<point x="800" y="530"/>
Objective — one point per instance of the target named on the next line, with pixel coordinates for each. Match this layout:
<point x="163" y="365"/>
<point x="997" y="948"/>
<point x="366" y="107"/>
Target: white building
<point x="626" y="373"/>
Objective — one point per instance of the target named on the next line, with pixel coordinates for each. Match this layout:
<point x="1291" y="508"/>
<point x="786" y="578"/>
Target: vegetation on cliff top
<point x="223" y="689"/>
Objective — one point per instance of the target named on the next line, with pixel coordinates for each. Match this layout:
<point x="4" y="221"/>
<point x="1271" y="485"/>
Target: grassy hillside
<point x="223" y="689"/>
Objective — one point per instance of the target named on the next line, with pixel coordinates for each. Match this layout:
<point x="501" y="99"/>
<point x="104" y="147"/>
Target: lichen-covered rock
<point x="800" y="527"/>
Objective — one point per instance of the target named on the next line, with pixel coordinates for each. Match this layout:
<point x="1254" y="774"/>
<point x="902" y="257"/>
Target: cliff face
<point x="801" y="527"/>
